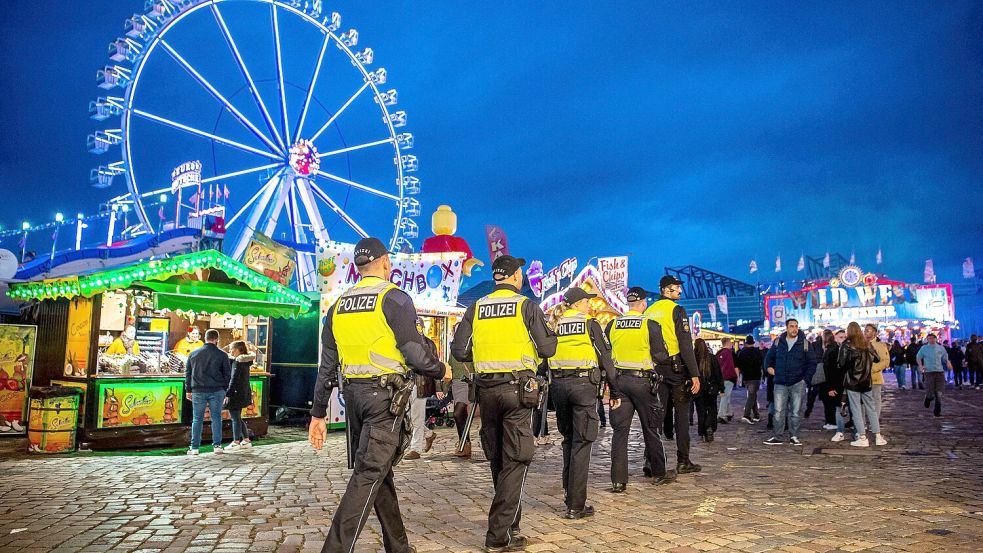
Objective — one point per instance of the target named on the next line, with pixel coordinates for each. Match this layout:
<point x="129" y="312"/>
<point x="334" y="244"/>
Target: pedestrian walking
<point x="911" y="357"/>
<point x="637" y="346"/>
<point x="932" y="362"/>
<point x="461" y="373"/>
<point x="240" y="394"/>
<point x="206" y="379"/>
<point x="857" y="356"/>
<point x="836" y="391"/>
<point x="680" y="375"/>
<point x="424" y="387"/>
<point x="974" y="360"/>
<point x="792" y="362"/>
<point x="730" y="372"/>
<point x="749" y="361"/>
<point x="711" y="389"/>
<point x="958" y="359"/>
<point x="582" y="353"/>
<point x="823" y="384"/>
<point x="370" y="340"/>
<point x="898" y="363"/>
<point x="506" y="337"/>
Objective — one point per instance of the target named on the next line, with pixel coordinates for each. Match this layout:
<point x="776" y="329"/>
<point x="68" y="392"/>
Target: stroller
<point x="439" y="412"/>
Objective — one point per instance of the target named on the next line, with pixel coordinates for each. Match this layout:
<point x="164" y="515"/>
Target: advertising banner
<point x="614" y="273"/>
<point x="271" y="259"/>
<point x="431" y="279"/>
<point x="16" y="370"/>
<point x="498" y="243"/>
<point x="253" y="411"/>
<point x="139" y="403"/>
<point x="79" y="337"/>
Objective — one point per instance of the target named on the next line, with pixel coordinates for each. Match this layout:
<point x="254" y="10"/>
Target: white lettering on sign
<point x="566" y="269"/>
<point x="186" y="174"/>
<point x="614" y="272"/>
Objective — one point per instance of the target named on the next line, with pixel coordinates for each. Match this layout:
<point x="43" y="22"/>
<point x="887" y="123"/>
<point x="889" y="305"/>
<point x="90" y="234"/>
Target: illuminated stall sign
<point x="431" y="279"/>
<point x="128" y="403"/>
<point x="826" y="304"/>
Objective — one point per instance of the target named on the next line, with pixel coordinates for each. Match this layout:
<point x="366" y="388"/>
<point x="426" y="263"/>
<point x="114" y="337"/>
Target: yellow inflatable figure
<point x="189" y="343"/>
<point x="444" y="225"/>
<point x="125" y="343"/>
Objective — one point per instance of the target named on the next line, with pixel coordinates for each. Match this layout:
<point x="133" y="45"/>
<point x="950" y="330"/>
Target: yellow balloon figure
<point x="444" y="225"/>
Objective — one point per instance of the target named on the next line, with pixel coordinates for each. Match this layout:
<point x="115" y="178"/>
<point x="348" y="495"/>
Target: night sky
<point x="701" y="134"/>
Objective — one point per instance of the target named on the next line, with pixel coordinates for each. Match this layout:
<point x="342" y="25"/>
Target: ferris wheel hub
<point x="304" y="159"/>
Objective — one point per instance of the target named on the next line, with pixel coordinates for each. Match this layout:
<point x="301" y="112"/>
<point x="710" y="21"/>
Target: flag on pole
<point x="23" y="241"/>
<point x="754" y="266"/>
<point x="722" y="300"/>
<point x="826" y="261"/>
<point x="712" y="308"/>
<point x="226" y="191"/>
<point x="929" y="272"/>
<point x="853" y="258"/>
<point x="54" y="235"/>
<point x="160" y="212"/>
<point x="193" y="200"/>
<point x="778" y="264"/>
<point x="879" y="257"/>
<point x="968" y="270"/>
<point x="802" y="263"/>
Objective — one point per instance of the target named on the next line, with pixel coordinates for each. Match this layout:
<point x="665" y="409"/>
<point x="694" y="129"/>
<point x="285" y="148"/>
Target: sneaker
<point x="245" y="444"/>
<point x="688" y="467"/>
<point x="192" y="451"/>
<point x="773" y="441"/>
<point x="233" y="446"/>
<point x="756" y="419"/>
<point x="747" y="420"/>
<point x="721" y="420"/>
<point x="829" y="427"/>
<point x="838" y="437"/>
<point x="879" y="440"/>
<point x="794" y="441"/>
<point x="218" y="450"/>
<point x="860" y="442"/>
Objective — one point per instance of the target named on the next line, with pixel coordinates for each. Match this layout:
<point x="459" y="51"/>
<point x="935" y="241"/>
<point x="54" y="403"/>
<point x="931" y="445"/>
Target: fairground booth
<point x="433" y="280"/>
<point x="123" y="336"/>
<point x="609" y="303"/>
<point x="901" y="310"/>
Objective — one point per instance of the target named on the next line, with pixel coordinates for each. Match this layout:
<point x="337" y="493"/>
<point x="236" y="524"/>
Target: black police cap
<point x="575" y="294"/>
<point x="669" y="280"/>
<point x="506" y="266"/>
<point x="368" y="250"/>
<point x="636" y="293"/>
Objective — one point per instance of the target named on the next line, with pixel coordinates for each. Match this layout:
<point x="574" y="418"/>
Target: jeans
<point x="840" y="419"/>
<point x="214" y="402"/>
<point x="788" y="399"/>
<point x="725" y="409"/>
<point x="899" y="374"/>
<point x="875" y="390"/>
<point x="418" y="419"/>
<point x="751" y="406"/>
<point x="916" y="376"/>
<point x="239" y="429"/>
<point x="862" y="406"/>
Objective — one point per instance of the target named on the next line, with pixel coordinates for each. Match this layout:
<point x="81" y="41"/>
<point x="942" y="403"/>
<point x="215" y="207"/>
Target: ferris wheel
<point x="296" y="138"/>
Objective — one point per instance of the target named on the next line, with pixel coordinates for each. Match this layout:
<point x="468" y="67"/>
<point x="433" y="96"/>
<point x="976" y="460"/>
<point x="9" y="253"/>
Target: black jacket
<point x="426" y="386"/>
<point x="911" y="353"/>
<point x="856" y="365"/>
<point x="209" y="370"/>
<point x="749" y="361"/>
<point x="711" y="379"/>
<point x="239" y="393"/>
<point x="956" y="356"/>
<point x="833" y="370"/>
<point x="897" y="354"/>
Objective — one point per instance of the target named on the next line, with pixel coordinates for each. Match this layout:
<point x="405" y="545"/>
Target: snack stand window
<point x="130" y="337"/>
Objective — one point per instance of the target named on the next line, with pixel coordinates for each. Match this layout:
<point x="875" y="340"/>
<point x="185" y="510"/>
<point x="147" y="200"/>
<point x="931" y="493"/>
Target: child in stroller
<point x="438" y="412"/>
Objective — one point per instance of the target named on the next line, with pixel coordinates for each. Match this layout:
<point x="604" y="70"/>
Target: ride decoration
<point x="304" y="158"/>
<point x="444" y="225"/>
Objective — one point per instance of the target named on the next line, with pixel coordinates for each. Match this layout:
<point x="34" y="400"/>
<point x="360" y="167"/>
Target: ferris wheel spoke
<point x="245" y="73"/>
<point x="273" y="215"/>
<point x="218" y="96"/>
<point x="240" y="173"/>
<point x="310" y="207"/>
<point x="204" y="134"/>
<point x="262" y="190"/>
<point x="361" y="187"/>
<point x="337" y="209"/>
<point x="310" y="87"/>
<point x="279" y="73"/>
<point x="357" y="147"/>
<point x="340" y="111"/>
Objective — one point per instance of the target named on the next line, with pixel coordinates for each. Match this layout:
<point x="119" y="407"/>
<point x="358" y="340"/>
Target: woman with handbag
<point x="857" y="358"/>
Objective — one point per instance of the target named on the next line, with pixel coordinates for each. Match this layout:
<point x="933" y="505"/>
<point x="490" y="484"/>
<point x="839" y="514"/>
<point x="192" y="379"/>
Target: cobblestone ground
<point x="922" y="492"/>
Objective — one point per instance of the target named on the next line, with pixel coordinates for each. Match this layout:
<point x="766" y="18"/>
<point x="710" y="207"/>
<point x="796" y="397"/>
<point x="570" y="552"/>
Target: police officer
<point x="680" y="374"/>
<point x="636" y="346"/>
<point x="371" y="333"/>
<point x="582" y="351"/>
<point x="506" y="337"/>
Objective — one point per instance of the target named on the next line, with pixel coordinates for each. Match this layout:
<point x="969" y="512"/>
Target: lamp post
<point x="79" y="225"/>
<point x="25" y="226"/>
<point x="59" y="217"/>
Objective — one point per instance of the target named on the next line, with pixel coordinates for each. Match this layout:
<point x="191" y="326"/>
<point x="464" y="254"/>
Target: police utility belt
<point x="400" y="386"/>
<point x="675" y="362"/>
<point x="571" y="373"/>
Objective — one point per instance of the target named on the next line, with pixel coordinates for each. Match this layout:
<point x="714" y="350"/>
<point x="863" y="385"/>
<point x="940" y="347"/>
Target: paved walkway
<point x="922" y="492"/>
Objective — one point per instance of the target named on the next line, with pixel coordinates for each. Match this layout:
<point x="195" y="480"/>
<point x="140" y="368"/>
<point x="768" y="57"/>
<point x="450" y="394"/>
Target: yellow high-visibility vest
<point x="366" y="343"/>
<point x="574" y="348"/>
<point x="500" y="341"/>
<point x="630" y="347"/>
<point x="661" y="312"/>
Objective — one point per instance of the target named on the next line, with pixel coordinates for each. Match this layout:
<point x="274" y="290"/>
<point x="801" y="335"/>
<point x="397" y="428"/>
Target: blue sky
<point x="680" y="133"/>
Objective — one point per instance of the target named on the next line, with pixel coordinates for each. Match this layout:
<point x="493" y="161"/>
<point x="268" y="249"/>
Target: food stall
<point x="901" y="310"/>
<point x="431" y="279"/>
<point x="608" y="304"/>
<point x="130" y="330"/>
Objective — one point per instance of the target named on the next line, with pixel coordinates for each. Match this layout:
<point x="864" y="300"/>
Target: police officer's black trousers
<point x="376" y="433"/>
<point x="671" y="391"/>
<point x="575" y="399"/>
<point x="506" y="438"/>
<point x="636" y="395"/>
